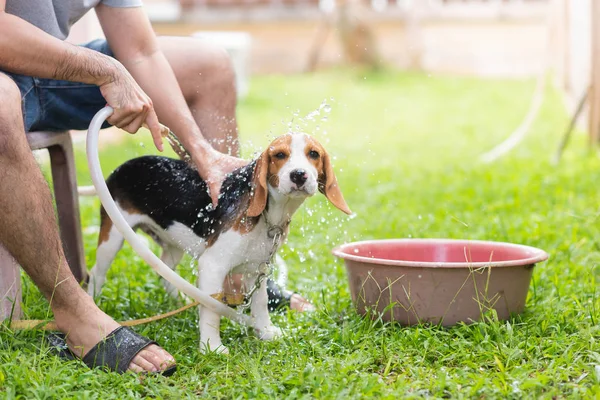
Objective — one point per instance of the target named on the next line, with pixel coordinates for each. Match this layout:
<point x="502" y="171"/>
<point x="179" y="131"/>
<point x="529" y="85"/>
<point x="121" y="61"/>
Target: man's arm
<point x="134" y="44"/>
<point x="27" y="50"/>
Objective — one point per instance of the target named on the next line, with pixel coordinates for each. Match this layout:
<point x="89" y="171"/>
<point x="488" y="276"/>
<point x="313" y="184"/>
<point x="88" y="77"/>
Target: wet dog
<point x="168" y="200"/>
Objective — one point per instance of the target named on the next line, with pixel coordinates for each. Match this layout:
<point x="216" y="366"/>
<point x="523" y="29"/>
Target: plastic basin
<point x="438" y="281"/>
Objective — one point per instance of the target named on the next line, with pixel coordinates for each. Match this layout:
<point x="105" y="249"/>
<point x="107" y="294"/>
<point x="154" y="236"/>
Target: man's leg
<point x="28" y="230"/>
<point x="207" y="79"/>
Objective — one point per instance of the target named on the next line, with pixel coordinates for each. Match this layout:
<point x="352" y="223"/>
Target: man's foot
<point x="300" y="304"/>
<point x="279" y="298"/>
<point x="90" y="325"/>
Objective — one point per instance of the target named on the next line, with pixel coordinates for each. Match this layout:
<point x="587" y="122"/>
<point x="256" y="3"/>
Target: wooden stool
<point x="62" y="162"/>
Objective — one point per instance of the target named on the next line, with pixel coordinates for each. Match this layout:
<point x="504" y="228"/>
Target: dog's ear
<point x="328" y="185"/>
<point x="258" y="201"/>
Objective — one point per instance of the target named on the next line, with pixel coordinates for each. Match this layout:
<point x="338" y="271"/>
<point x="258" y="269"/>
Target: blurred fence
<point x="461" y="6"/>
<point x="375" y="4"/>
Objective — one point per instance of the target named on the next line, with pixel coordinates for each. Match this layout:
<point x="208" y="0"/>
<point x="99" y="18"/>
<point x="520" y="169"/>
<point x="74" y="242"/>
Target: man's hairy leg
<point x="28" y="230"/>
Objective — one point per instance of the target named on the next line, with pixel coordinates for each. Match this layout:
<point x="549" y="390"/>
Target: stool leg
<point x="10" y="286"/>
<point x="62" y="162"/>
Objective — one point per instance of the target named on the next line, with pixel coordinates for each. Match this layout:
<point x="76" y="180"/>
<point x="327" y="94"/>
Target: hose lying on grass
<point x="45" y="325"/>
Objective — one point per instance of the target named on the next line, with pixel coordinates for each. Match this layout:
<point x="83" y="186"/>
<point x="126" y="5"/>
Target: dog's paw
<point x="224" y="350"/>
<point x="214" y="347"/>
<point x="270" y="333"/>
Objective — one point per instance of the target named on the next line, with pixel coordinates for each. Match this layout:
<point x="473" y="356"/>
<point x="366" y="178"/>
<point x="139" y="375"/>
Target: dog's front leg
<point x="260" y="312"/>
<point x="211" y="275"/>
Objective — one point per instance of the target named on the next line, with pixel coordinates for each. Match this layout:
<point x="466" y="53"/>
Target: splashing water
<point x="312" y="115"/>
<point x="312" y="123"/>
<point x="325" y="107"/>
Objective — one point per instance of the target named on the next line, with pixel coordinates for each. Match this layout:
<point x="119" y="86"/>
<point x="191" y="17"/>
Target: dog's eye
<point x="313" y="154"/>
<point x="280" y="156"/>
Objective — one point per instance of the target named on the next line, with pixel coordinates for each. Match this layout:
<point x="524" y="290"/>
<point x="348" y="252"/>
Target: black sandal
<point x="278" y="298"/>
<point x="114" y="352"/>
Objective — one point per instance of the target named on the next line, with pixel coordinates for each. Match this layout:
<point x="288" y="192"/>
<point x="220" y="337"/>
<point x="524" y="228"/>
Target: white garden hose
<point x="140" y="248"/>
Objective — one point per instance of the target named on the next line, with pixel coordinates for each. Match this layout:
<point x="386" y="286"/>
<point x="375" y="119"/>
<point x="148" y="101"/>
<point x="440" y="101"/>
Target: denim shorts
<point x="54" y="105"/>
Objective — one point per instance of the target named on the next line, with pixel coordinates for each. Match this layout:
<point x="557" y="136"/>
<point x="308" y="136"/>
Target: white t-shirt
<point x="57" y="16"/>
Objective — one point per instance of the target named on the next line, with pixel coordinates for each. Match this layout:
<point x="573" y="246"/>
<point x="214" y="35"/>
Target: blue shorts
<point x="53" y="105"/>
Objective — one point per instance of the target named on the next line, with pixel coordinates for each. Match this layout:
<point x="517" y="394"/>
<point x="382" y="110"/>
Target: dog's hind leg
<point x="171" y="256"/>
<point x="110" y="242"/>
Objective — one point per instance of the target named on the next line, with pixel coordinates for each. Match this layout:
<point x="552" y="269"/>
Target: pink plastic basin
<point x="438" y="281"/>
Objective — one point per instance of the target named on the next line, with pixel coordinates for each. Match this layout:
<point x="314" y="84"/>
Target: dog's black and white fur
<point x="167" y="199"/>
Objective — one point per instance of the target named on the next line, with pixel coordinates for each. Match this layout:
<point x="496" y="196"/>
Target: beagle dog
<point x="168" y="200"/>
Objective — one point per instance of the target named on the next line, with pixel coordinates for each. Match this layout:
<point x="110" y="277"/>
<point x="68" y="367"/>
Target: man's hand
<point x="132" y="106"/>
<point x="215" y="171"/>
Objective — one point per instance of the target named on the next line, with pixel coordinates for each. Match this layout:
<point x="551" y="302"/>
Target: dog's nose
<point x="299" y="177"/>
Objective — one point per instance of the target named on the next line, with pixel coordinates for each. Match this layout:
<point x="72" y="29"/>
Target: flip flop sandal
<point x="279" y="298"/>
<point x="114" y="352"/>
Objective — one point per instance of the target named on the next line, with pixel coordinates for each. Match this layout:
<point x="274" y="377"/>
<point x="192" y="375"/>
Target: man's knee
<point x="223" y="65"/>
<point x="218" y="72"/>
<point x="10" y="97"/>
<point x="10" y="112"/>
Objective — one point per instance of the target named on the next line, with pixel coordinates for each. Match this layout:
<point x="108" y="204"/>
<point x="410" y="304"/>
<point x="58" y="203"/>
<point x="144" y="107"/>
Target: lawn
<point x="406" y="150"/>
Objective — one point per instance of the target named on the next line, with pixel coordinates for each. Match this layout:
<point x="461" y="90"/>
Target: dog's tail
<point x="86" y="190"/>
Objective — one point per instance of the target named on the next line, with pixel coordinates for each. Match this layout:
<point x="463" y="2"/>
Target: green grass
<point x="406" y="148"/>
